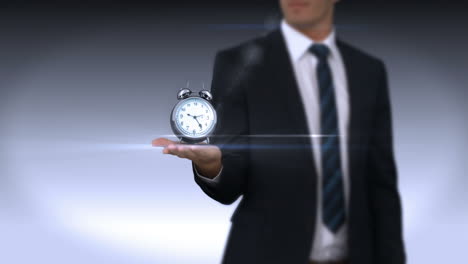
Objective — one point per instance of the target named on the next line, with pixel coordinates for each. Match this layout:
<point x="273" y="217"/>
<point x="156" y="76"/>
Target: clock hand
<point x="200" y="125"/>
<point x="195" y="117"/>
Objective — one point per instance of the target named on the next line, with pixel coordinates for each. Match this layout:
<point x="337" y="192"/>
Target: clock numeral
<point x="187" y="127"/>
<point x="207" y="118"/>
<point x="206" y="124"/>
<point x="182" y="123"/>
<point x="181" y="115"/>
<point x="194" y="131"/>
<point x="195" y="104"/>
<point x="188" y="105"/>
<point x="183" y="109"/>
<point x="202" y="105"/>
<point x="206" y="111"/>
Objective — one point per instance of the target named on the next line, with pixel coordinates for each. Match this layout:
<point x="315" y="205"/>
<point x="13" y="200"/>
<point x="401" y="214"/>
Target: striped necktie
<point x="333" y="203"/>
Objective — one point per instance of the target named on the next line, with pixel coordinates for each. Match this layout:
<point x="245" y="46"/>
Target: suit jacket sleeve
<point x="230" y="133"/>
<point x="385" y="200"/>
<point x="204" y="178"/>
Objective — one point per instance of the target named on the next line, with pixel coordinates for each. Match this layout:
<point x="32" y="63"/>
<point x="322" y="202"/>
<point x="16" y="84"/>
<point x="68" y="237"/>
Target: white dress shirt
<point x="326" y="245"/>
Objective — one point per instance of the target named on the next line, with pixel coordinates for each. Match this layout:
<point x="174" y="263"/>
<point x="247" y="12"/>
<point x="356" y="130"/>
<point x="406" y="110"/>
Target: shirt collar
<point x="297" y="43"/>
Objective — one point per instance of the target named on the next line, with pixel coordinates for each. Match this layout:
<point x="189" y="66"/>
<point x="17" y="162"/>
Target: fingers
<point x="162" y="142"/>
<point x="180" y="150"/>
<point x="169" y="145"/>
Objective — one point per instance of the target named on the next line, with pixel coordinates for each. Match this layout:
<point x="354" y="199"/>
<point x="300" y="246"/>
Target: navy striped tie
<point x="333" y="203"/>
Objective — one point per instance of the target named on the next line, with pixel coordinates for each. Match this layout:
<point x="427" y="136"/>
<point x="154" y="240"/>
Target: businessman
<point x="304" y="135"/>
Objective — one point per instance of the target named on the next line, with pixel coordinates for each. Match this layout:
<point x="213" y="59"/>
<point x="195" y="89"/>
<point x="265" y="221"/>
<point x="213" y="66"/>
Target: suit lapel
<point x="283" y="78"/>
<point x="353" y="76"/>
<point x="356" y="78"/>
<point x="285" y="85"/>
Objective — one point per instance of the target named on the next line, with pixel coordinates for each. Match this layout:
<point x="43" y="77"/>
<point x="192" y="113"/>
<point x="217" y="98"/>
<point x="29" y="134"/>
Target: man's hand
<point x="207" y="158"/>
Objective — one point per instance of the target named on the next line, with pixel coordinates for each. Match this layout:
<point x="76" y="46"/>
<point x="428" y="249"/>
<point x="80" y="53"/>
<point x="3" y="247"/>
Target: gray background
<point x="84" y="90"/>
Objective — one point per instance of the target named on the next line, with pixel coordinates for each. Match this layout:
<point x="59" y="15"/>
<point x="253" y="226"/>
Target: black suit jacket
<point x="256" y="95"/>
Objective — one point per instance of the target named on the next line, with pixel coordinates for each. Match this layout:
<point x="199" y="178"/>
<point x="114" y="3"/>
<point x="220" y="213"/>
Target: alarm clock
<point x="193" y="118"/>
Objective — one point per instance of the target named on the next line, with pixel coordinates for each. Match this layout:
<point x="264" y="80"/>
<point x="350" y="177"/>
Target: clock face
<point x="194" y="117"/>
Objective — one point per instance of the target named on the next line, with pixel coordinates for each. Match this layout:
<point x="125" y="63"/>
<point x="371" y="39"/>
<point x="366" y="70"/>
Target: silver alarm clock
<point x="193" y="118"/>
